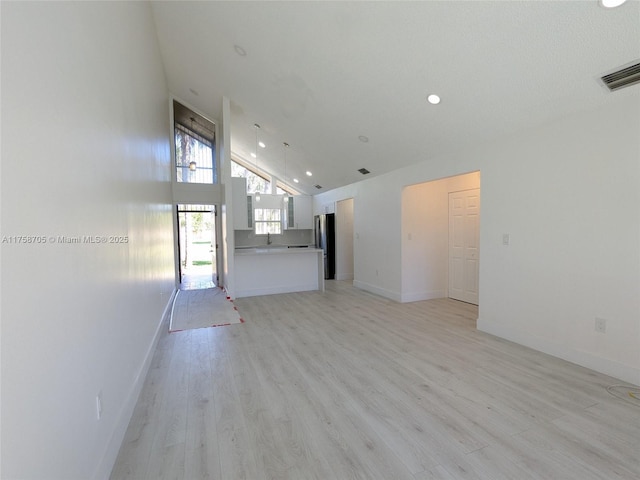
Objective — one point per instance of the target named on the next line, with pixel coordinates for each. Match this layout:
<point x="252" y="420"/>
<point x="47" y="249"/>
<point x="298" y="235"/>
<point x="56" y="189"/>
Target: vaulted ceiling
<point x="346" y="83"/>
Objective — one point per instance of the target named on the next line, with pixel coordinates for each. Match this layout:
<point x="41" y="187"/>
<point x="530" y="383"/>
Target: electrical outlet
<point x="99" y="405"/>
<point x="506" y="239"/>
<point x="600" y="325"/>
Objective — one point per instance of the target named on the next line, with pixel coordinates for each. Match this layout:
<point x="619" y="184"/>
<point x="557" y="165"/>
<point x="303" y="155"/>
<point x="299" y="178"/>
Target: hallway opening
<point x="440" y="239"/>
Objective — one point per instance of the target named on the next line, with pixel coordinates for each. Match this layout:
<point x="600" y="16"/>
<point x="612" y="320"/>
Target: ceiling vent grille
<point x="318" y="186"/>
<point x="363" y="171"/>
<point x="622" y="78"/>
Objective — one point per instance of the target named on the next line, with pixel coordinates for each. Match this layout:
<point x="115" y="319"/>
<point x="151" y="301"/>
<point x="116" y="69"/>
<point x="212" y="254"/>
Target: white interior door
<point x="464" y="252"/>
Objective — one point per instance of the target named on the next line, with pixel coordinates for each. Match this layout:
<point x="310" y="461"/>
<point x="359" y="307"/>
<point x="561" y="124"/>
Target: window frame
<point x="182" y="172"/>
<point x="249" y="170"/>
<point x="268" y="221"/>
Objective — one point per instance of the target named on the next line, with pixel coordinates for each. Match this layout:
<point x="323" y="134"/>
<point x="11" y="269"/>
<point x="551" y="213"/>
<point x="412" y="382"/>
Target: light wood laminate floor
<point x="347" y="385"/>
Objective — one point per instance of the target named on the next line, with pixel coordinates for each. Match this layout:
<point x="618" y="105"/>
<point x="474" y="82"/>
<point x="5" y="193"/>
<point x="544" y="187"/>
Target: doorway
<point x="197" y="246"/>
<point x="426" y="270"/>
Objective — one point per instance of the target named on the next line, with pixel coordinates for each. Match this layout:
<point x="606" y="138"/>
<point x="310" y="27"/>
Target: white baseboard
<point x="626" y="373"/>
<point x="344" y="276"/>
<point x="252" y="292"/>
<point x="367" y="287"/>
<point x="103" y="472"/>
<point x="420" y="296"/>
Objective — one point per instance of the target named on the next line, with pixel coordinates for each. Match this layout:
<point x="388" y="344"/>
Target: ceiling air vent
<point x="624" y="77"/>
<point x="318" y="186"/>
<point x="363" y="171"/>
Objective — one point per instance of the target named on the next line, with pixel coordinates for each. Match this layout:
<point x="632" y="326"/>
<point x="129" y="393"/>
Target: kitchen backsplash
<point x="246" y="238"/>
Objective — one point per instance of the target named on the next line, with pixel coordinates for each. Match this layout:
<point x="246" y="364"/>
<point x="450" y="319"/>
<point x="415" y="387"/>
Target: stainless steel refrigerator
<point x="325" y="229"/>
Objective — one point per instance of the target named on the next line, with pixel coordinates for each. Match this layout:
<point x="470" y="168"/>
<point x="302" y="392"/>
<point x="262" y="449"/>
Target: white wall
<point x="376" y="227"/>
<point x="198" y="194"/>
<point x="85" y="151"/>
<point x="567" y="193"/>
<point x="425" y="233"/>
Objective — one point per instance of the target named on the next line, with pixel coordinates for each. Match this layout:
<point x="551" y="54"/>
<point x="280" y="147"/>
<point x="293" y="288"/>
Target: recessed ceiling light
<point x="253" y="155"/>
<point x="433" y="99"/>
<point x="296" y="180"/>
<point x="611" y="3"/>
<point x="363" y="138"/>
<point x="262" y="144"/>
<point x="309" y="173"/>
<point x="240" y="51"/>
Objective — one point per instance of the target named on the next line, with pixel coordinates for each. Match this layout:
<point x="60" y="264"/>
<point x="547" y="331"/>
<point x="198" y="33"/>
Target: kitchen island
<point x="270" y="270"/>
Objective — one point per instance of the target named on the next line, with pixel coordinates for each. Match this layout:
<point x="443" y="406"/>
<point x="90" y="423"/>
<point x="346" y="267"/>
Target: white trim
<point x="344" y="276"/>
<point x="173" y="307"/>
<point x="252" y="292"/>
<point x="367" y="287"/>
<point x="615" y="369"/>
<point x="110" y="454"/>
<point x="419" y="296"/>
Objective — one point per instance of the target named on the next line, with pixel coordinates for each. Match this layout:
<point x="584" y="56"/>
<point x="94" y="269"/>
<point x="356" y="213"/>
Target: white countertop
<point x="275" y="250"/>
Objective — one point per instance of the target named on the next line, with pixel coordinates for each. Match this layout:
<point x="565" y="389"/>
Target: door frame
<point x="216" y="227"/>
<point x="475" y="300"/>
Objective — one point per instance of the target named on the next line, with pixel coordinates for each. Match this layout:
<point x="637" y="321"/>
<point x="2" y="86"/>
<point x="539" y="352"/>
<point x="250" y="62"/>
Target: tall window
<point x="281" y="190"/>
<point x="194" y="147"/>
<point x="255" y="183"/>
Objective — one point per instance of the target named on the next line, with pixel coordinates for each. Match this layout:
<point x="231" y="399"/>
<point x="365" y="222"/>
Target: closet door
<point x="464" y="252"/>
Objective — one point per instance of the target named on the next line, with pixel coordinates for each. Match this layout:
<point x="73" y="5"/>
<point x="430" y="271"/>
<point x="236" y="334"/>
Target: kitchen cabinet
<point x="267" y="271"/>
<point x="242" y="204"/>
<point x="299" y="213"/>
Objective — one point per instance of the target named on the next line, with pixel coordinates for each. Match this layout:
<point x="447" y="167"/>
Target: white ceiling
<point x="320" y="74"/>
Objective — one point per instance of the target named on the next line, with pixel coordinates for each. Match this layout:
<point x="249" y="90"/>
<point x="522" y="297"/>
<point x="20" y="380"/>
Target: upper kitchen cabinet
<point x="242" y="204"/>
<point x="299" y="213"/>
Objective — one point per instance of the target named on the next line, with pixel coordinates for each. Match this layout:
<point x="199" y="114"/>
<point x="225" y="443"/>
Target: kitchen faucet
<point x="268" y="238"/>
